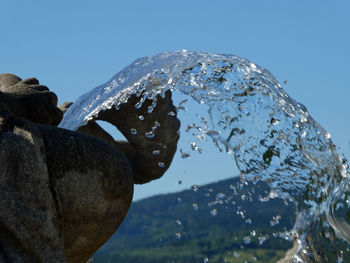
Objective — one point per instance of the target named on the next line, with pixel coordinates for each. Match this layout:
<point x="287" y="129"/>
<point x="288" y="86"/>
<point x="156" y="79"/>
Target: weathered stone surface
<point x="64" y="107"/>
<point x="63" y="193"/>
<point x="29" y="225"/>
<point x="152" y="141"/>
<point x="7" y="80"/>
<point x="95" y="187"/>
<point x="30" y="100"/>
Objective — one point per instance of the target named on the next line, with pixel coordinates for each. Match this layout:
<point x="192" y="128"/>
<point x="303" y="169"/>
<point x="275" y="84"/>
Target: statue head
<point x="7" y="80"/>
<point x="30" y="100"/>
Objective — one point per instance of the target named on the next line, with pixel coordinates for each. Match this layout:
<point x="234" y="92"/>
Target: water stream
<point x="271" y="136"/>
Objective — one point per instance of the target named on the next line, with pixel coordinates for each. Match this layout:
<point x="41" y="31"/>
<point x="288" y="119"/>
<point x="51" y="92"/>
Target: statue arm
<point x="149" y="155"/>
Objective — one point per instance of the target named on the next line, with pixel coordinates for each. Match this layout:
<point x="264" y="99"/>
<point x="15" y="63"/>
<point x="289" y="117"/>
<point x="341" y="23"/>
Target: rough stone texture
<point x="7" y="80"/>
<point x="29" y="229"/>
<point x="64" y="193"/>
<point x="139" y="149"/>
<point x="30" y="100"/>
<point x="95" y="188"/>
<point x="64" y="107"/>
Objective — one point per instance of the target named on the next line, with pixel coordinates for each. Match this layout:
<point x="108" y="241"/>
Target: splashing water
<point x="272" y="137"/>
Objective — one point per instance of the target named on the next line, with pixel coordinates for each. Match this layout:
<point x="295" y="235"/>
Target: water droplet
<point x="248" y="221"/>
<point x="262" y="239"/>
<point x="241" y="213"/>
<point x="205" y="260"/>
<point x="273" y="194"/>
<point x="220" y="195"/>
<point x="139" y="104"/>
<point x="195" y="207"/>
<point x="156" y="124"/>
<point x="149" y="135"/>
<point x="274" y="121"/>
<point x="179" y="199"/>
<point x="178" y="222"/>
<point x="181" y="107"/>
<point x="185" y="155"/>
<point x="275" y="220"/>
<point x="189" y="127"/>
<point x="194" y="188"/>
<point x="194" y="147"/>
<point x="212" y="132"/>
<point x="161" y="164"/>
<point x="141" y="117"/>
<point x="246" y="240"/>
<point x="150" y="109"/>
<point x="171" y="113"/>
<point x="156" y="152"/>
<point x="214" y="212"/>
<point x="133" y="131"/>
<point x="263" y="199"/>
<point x="253" y="233"/>
<point x="178" y="235"/>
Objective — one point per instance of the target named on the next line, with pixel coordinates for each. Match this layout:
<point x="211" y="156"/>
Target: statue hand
<point x="153" y="136"/>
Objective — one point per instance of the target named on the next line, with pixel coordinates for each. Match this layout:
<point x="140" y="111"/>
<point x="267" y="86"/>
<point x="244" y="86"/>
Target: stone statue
<point x="64" y="193"/>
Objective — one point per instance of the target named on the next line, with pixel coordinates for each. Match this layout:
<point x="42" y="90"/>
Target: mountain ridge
<point x="217" y="221"/>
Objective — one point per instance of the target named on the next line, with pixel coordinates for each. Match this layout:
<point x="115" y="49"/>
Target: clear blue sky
<point x="73" y="46"/>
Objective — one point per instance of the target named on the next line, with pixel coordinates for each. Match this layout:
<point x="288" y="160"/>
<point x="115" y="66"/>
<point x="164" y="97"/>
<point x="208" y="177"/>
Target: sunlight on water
<point x="271" y="136"/>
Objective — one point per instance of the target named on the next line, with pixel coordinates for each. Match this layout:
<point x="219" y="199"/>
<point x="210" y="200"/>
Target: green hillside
<point x="226" y="221"/>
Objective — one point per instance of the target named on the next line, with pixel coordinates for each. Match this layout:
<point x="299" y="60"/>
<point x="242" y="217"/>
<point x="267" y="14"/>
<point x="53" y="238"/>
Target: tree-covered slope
<point x="224" y="221"/>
